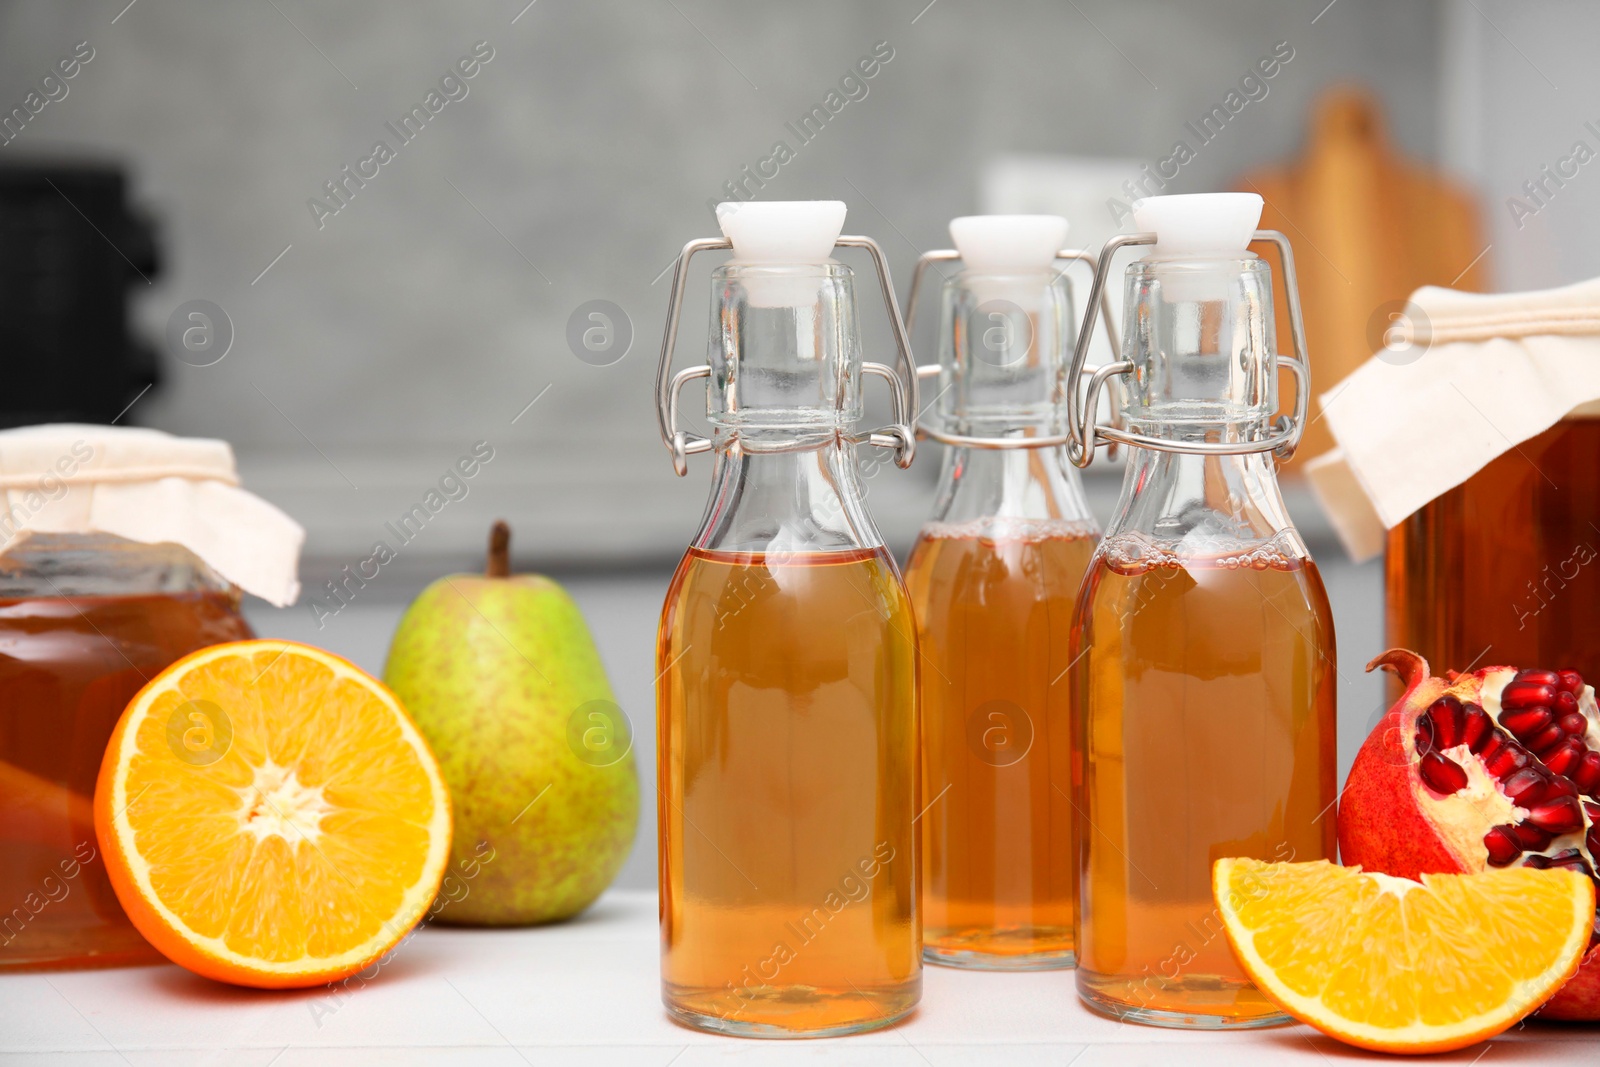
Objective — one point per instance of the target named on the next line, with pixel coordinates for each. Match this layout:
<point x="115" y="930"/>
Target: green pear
<point x="502" y="677"/>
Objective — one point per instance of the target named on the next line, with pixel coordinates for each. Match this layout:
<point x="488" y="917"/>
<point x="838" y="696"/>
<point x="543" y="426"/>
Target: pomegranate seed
<point x="1525" y="721"/>
<point x="1564" y="756"/>
<point x="1560" y="786"/>
<point x="1592" y="840"/>
<point x="1593" y="810"/>
<point x="1502" y="846"/>
<point x="1546" y="739"/>
<point x="1572" y="682"/>
<point x="1564" y="704"/>
<point x="1525" y="787"/>
<point x="1586" y="776"/>
<point x="1574" y="724"/>
<point x="1531" y="838"/>
<point x="1567" y="859"/>
<point x="1521" y="694"/>
<point x="1504" y="758"/>
<point x="1443" y="775"/>
<point x="1425" y="732"/>
<point x="1448" y="718"/>
<point x="1538" y="676"/>
<point x="1579" y="864"/>
<point x="1558" y="815"/>
<point x="1574" y="859"/>
<point x="1476" y="728"/>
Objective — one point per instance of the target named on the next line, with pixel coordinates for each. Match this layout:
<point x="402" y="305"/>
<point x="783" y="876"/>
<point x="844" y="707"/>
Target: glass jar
<point x="85" y="621"/>
<point x="786" y="698"/>
<point x="1501" y="569"/>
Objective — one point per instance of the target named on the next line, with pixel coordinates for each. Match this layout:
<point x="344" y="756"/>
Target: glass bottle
<point x="994" y="579"/>
<point x="85" y="621"/>
<point x="786" y="700"/>
<point x="1204" y="681"/>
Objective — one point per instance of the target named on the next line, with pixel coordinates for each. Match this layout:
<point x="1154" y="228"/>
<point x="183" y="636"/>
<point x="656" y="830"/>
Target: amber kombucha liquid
<point x="1206" y="730"/>
<point x="1505" y="568"/>
<point x="994" y="602"/>
<point x="787" y="735"/>
<point x="68" y="667"/>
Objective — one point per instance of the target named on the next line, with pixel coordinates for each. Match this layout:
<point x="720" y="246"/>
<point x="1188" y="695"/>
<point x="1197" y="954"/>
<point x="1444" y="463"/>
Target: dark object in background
<point x="69" y="249"/>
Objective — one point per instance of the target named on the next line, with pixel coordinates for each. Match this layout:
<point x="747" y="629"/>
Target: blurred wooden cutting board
<point x="1367" y="228"/>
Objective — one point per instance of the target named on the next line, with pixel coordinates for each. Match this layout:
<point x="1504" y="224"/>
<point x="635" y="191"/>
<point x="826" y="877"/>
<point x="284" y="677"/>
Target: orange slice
<point x="1394" y="965"/>
<point x="270" y="816"/>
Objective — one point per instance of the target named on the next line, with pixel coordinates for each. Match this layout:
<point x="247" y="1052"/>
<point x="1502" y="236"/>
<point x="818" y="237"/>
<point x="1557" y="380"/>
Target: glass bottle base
<point x="1201" y="1002"/>
<point x="1016" y="948"/>
<point x="792" y="1012"/>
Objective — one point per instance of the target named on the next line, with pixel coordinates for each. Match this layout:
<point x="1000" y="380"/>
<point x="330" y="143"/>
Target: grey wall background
<point x="427" y="314"/>
<point x="1520" y="85"/>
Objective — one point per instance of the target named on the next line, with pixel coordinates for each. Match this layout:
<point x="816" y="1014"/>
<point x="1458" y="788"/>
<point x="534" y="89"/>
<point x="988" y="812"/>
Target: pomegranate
<point x="1487" y="769"/>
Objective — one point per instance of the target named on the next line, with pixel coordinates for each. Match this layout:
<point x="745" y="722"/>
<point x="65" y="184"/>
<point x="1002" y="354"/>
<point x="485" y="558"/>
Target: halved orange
<point x="1394" y="965"/>
<point x="270" y="816"/>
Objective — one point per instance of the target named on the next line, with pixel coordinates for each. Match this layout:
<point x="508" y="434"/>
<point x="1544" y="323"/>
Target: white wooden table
<point x="586" y="993"/>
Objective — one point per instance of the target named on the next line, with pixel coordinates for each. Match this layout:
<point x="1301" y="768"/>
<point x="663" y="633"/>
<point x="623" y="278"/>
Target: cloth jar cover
<point x="1463" y="378"/>
<point x="151" y="487"/>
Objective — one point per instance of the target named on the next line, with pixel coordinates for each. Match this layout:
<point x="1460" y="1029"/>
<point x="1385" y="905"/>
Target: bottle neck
<point x="1024" y="487"/>
<point x="770" y="493"/>
<point x="1004" y="352"/>
<point x="784" y="350"/>
<point x="1195" y="424"/>
<point x="1199" y="333"/>
<point x="1196" y="506"/>
<point x="1200" y="336"/>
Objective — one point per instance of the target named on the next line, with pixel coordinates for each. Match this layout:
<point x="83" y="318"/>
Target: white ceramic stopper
<point x="1006" y="244"/>
<point x="1199" y="224"/>
<point x="782" y="232"/>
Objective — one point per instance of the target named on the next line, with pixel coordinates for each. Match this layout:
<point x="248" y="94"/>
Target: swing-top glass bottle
<point x="994" y="581"/>
<point x="1204" y="696"/>
<point x="786" y="700"/>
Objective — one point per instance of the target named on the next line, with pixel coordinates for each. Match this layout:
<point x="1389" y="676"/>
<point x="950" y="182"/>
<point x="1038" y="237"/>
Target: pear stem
<point x="499" y="565"/>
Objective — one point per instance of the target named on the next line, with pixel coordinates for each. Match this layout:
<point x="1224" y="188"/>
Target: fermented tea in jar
<point x="124" y="550"/>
